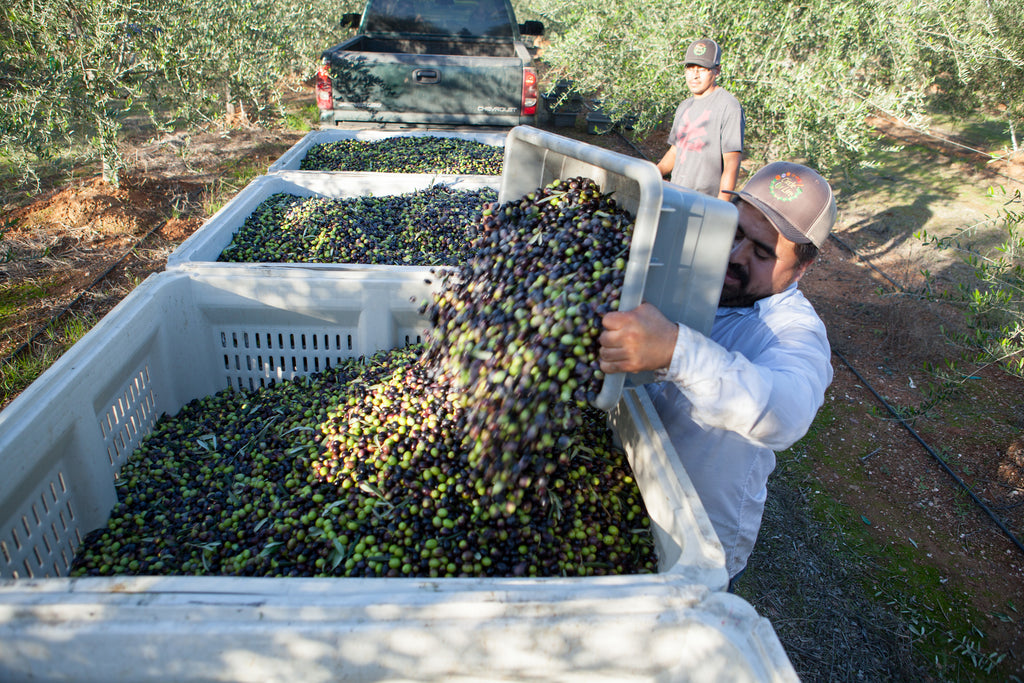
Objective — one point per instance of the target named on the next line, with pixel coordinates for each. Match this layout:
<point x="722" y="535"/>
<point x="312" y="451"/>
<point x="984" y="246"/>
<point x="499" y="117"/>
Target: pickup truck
<point x="447" y="62"/>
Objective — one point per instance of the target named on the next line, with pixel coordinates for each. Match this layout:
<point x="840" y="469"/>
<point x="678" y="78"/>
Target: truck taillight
<point x="529" y="91"/>
<point x="324" y="93"/>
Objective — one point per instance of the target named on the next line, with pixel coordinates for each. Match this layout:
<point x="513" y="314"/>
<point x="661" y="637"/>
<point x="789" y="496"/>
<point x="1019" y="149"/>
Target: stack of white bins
<point x="200" y="327"/>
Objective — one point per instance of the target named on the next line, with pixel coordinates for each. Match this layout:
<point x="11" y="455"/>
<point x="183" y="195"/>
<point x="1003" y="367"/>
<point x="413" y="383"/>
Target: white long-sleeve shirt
<point x="729" y="401"/>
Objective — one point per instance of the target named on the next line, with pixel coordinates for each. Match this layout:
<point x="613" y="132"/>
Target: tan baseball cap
<point x="795" y="199"/>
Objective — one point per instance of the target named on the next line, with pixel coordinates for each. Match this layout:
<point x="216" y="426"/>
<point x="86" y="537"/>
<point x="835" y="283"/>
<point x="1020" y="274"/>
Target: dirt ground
<point x="909" y="481"/>
<point x="86" y="245"/>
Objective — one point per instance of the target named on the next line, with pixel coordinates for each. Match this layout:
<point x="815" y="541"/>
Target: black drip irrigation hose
<point x="942" y="463"/>
<point x="892" y="411"/>
<point x="632" y="144"/>
<point x="988" y="511"/>
<point x="59" y="314"/>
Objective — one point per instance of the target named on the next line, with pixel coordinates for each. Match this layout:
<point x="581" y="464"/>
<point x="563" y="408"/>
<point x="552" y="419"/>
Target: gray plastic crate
<point x="188" y="333"/>
<point x="681" y="239"/>
<point x="207" y="243"/>
<point x="292" y="159"/>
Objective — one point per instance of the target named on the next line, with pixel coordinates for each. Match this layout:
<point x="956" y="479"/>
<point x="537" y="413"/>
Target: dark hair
<point x="805" y="253"/>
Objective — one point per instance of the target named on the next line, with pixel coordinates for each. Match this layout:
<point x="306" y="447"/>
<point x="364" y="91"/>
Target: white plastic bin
<point x="292" y="159"/>
<point x="189" y="333"/>
<point x="319" y="630"/>
<point x="207" y="243"/>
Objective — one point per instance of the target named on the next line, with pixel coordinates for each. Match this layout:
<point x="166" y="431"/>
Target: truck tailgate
<point x="415" y="88"/>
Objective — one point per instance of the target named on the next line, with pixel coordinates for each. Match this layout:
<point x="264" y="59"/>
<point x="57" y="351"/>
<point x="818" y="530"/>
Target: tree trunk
<point x="109" y="153"/>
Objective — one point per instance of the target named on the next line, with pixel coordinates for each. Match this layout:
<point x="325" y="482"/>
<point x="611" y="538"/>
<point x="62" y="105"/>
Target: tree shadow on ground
<point x="887" y="230"/>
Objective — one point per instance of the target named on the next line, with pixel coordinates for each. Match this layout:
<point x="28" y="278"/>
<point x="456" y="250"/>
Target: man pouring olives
<point x="754" y="385"/>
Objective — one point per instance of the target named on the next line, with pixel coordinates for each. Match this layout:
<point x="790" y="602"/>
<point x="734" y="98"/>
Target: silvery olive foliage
<point x="807" y="72"/>
<point x="72" y="72"/>
<point x="993" y="302"/>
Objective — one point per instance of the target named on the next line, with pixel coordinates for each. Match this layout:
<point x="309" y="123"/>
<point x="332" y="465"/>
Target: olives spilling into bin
<point x="476" y="454"/>
<point x="406" y="154"/>
<point x="516" y="327"/>
<point x="430" y="227"/>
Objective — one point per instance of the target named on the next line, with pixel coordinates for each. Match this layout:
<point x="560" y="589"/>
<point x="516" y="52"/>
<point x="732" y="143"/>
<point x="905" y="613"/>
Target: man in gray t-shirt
<point x="706" y="140"/>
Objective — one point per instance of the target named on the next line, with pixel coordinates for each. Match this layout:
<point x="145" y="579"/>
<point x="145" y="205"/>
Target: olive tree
<point x="807" y="72"/>
<point x="71" y="72"/>
<point x="239" y="54"/>
<point x="976" y="55"/>
<point x="993" y="302"/>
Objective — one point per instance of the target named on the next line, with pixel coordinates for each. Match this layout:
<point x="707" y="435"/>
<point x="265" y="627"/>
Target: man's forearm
<point x="668" y="161"/>
<point x="730" y="172"/>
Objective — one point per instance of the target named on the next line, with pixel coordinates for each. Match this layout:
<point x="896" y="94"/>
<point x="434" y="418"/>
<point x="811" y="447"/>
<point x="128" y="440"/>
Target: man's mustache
<point x="740" y="273"/>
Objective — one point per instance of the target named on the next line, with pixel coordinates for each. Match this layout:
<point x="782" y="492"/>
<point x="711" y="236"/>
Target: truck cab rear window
<point x="440" y="17"/>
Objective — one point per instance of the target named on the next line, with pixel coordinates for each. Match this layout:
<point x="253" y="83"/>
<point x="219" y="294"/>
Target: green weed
<point x="18" y="372"/>
<point x="16" y="296"/>
<point x="303" y="119"/>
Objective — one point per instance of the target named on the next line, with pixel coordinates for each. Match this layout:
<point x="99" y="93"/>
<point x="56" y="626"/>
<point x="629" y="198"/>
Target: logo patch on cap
<point x="786" y="186"/>
<point x="699" y="49"/>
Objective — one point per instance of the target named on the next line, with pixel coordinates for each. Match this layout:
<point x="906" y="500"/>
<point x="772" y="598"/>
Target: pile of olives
<point x="476" y="454"/>
<point x="360" y="471"/>
<point x="406" y="154"/>
<point x="430" y="227"/>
